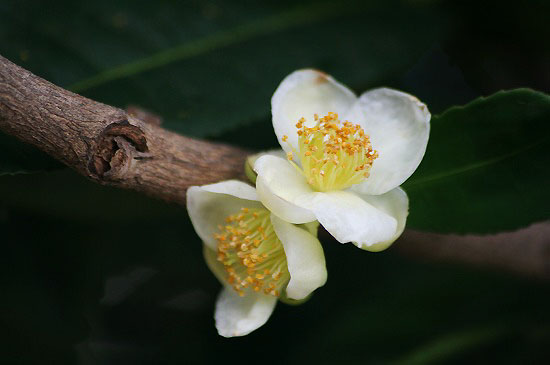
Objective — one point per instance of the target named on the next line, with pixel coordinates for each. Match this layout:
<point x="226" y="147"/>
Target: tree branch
<point x="107" y="144"/>
<point x="525" y="252"/>
<point x="112" y="146"/>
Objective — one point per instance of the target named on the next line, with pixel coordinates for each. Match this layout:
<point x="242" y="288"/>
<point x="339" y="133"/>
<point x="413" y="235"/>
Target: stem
<point x="107" y="144"/>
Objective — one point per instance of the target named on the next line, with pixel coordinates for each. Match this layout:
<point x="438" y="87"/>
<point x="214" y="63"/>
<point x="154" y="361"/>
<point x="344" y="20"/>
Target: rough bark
<point x="107" y="144"/>
<point x="131" y="150"/>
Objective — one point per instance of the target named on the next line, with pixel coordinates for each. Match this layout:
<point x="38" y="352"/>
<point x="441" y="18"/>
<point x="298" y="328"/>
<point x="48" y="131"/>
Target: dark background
<point x="90" y="274"/>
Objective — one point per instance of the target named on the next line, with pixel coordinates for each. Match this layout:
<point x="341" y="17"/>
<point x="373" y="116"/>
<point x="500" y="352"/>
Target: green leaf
<point x="210" y="67"/>
<point x="486" y="166"/>
<point x="20" y="158"/>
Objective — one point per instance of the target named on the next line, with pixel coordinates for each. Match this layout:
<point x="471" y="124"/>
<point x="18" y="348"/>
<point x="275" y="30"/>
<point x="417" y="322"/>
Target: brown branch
<point x="107" y="144"/>
<point x="131" y="150"/>
<point x="525" y="252"/>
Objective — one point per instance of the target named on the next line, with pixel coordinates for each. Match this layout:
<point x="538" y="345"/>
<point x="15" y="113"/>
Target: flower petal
<point x="311" y="227"/>
<point x="395" y="203"/>
<point x="348" y="218"/>
<point x="214" y="265"/>
<point x="399" y="126"/>
<point x="209" y="205"/>
<point x="304" y="93"/>
<point x="304" y="256"/>
<point x="274" y="152"/>
<point x="250" y="160"/>
<point x="280" y="187"/>
<point x="238" y="316"/>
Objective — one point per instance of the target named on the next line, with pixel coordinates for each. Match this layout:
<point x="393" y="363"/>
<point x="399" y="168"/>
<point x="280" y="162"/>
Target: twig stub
<point x="112" y="153"/>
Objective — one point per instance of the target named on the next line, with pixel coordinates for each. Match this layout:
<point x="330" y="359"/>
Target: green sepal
<point x="248" y="168"/>
<point x="285" y="299"/>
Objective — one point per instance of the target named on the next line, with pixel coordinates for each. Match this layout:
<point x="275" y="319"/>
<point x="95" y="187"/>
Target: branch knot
<point x="116" y="148"/>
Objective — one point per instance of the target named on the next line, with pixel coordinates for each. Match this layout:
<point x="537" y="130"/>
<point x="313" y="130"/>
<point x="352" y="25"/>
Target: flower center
<point x="334" y="155"/>
<point x="251" y="253"/>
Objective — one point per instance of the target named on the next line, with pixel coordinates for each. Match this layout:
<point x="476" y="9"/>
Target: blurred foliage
<point x="485" y="169"/>
<point x="65" y="194"/>
<point x="19" y="158"/>
<point x="138" y="293"/>
<point x="91" y="274"/>
<point x="228" y="56"/>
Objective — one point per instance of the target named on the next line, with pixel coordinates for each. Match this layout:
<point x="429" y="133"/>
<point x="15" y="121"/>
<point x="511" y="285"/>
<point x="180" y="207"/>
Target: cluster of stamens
<point x="334" y="155"/>
<point x="251" y="253"/>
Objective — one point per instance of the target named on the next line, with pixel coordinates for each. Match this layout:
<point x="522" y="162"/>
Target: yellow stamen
<point x="334" y="155"/>
<point x="252" y="253"/>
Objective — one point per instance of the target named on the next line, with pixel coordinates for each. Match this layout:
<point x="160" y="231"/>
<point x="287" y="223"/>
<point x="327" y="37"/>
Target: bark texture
<point x="129" y="149"/>
<point x="107" y="144"/>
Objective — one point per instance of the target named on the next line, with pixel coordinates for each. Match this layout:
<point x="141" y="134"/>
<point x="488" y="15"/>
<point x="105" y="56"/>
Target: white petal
<point x="214" y="265"/>
<point x="275" y="152"/>
<point x="281" y="188"/>
<point x="348" y="218"/>
<point x="399" y="126"/>
<point x="238" y="316"/>
<point x="311" y="227"/>
<point x="304" y="256"/>
<point x="209" y="205"/>
<point x="304" y="93"/>
<point x="395" y="203"/>
<point x="251" y="160"/>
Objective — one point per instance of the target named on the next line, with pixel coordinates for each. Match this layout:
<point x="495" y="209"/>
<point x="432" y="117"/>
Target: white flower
<point x="257" y="256"/>
<point x="348" y="157"/>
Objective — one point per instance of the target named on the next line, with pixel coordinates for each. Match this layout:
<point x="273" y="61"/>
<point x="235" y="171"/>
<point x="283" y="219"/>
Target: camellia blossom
<point x="258" y="257"/>
<point x="347" y="155"/>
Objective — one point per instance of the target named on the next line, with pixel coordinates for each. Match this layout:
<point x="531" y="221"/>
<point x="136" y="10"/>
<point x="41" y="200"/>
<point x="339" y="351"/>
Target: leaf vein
<point x="471" y="167"/>
<point x="277" y="23"/>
